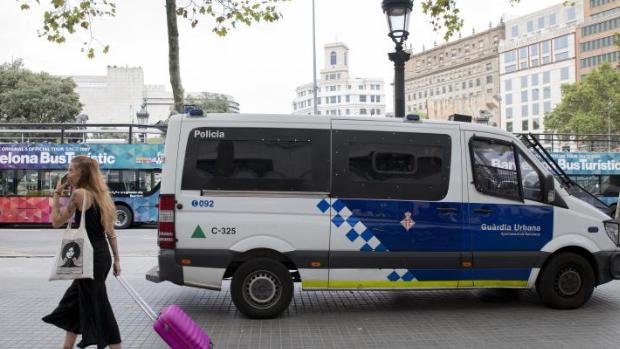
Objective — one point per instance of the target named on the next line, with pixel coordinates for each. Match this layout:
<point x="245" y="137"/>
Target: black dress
<point x="85" y="308"/>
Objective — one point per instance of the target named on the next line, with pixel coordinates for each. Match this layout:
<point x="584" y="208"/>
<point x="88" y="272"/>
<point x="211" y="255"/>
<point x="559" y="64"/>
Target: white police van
<point x="369" y="203"/>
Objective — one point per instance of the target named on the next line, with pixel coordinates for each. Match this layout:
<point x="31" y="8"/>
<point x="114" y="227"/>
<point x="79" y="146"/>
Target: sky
<point x="260" y="66"/>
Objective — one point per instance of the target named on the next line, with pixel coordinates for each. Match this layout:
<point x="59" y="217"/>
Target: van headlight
<point x="613" y="231"/>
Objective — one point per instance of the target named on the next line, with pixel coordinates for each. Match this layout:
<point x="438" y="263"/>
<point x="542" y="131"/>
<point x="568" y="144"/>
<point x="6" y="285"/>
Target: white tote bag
<point x="74" y="256"/>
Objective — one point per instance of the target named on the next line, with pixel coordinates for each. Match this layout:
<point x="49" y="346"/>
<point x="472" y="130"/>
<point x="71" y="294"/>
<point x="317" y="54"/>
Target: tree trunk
<point x="173" y="55"/>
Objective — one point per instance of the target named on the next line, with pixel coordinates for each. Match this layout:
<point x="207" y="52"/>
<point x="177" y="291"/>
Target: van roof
<point x="295" y="118"/>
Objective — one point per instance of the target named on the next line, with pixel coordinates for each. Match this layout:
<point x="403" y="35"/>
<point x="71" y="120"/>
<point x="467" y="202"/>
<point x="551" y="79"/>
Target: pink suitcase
<point x="173" y="325"/>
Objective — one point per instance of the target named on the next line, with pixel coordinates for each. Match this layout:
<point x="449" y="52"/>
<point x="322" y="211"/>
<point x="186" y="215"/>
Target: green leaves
<point x="590" y="106"/>
<point x="227" y="14"/>
<point x="65" y="17"/>
<point x="36" y="97"/>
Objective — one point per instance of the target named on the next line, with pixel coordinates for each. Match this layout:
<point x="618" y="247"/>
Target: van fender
<point x="570" y="240"/>
<point x="262" y="242"/>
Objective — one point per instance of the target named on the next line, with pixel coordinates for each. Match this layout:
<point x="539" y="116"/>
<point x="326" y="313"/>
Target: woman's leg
<point x="70" y="338"/>
<point x="115" y="346"/>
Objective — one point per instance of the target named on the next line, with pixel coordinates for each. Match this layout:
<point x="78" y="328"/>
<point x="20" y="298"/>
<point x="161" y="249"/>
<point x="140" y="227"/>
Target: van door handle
<point x="447" y="210"/>
<point x="483" y="210"/>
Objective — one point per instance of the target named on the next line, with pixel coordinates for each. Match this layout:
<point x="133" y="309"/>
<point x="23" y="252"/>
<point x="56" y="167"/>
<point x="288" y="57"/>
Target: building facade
<point x="537" y="56"/>
<point x="460" y="77"/>
<point x="117" y="96"/>
<point x="337" y="92"/>
<point x="596" y="41"/>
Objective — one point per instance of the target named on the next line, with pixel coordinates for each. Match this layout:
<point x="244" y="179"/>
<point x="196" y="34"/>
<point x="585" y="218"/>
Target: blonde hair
<point x="91" y="179"/>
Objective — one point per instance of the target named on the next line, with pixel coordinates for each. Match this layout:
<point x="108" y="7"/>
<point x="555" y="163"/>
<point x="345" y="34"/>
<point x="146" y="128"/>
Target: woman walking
<point x="85" y="309"/>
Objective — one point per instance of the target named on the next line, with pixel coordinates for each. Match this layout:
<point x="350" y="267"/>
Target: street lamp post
<point x="143" y="118"/>
<point x="398" y="13"/>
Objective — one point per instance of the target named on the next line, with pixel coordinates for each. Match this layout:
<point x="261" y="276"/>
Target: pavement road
<point x="321" y="319"/>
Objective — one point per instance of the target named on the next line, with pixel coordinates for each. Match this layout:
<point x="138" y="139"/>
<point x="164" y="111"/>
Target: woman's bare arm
<point x="60" y="216"/>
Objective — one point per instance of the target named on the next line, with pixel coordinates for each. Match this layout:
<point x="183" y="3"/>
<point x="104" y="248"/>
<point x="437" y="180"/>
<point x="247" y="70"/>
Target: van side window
<point x="257" y="160"/>
<point x="531" y="179"/>
<point x="494" y="168"/>
<point x="390" y="165"/>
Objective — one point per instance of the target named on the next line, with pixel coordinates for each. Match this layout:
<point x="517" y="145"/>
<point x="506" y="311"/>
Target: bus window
<point x="610" y="185"/>
<point x="7" y="183"/>
<point x="115" y="184"/>
<point x="49" y="179"/>
<point x="589" y="183"/>
<point x="27" y="182"/>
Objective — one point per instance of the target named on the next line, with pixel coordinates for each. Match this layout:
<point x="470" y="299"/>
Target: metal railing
<point x="81" y="133"/>
<point x="563" y="142"/>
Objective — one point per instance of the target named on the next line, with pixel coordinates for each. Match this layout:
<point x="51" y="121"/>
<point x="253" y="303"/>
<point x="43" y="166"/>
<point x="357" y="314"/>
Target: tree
<point x="36" y="97"/>
<point x="591" y="106"/>
<point x="210" y="103"/>
<point x="64" y="17"/>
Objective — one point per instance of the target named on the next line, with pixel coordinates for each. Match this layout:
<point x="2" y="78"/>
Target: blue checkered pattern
<point x="346" y="223"/>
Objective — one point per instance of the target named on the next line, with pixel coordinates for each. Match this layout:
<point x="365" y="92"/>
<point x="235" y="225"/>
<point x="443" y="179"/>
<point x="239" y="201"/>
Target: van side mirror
<point x="549" y="189"/>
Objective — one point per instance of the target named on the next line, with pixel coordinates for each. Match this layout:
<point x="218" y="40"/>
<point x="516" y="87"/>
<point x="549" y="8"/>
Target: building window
<point x="530" y="26"/>
<point x="523" y="64"/>
<point x="332" y="58"/>
<point x="508" y="99"/>
<point x="362" y="98"/>
<point x="509" y="126"/>
<point x="490" y="79"/>
<point x="510" y="57"/>
<point x="363" y="111"/>
<point x="541" y="22"/>
<point x="535" y="109"/>
<point x="489" y="66"/>
<point x="524" y="82"/>
<point x="536" y="123"/>
<point x="560" y="43"/>
<point x="547" y="107"/>
<point x="564" y="74"/>
<point x="547" y="92"/>
<point x="534" y="79"/>
<point x="524" y="125"/>
<point x="347" y="99"/>
<point x="515" y="31"/>
<point x="332" y="99"/>
<point x="508" y="113"/>
<point x="525" y="110"/>
<point x="552" y="19"/>
<point x="534" y="55"/>
<point x="562" y="56"/>
<point x="508" y="85"/>
<point x="535" y="94"/>
<point x="571" y="13"/>
<point x="547" y="77"/>
<point x="524" y="96"/>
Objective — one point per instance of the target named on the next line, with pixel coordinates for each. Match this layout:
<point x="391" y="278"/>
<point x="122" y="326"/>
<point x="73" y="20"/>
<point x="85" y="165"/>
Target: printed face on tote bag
<point x="71" y="257"/>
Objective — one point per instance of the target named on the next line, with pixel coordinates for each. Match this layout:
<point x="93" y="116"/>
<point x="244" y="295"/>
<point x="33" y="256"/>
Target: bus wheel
<point x="124" y="217"/>
<point x="566" y="282"/>
<point x="262" y="288"/>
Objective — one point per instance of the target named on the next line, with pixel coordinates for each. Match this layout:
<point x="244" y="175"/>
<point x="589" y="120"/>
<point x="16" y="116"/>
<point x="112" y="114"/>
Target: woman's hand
<point x="117" y="267"/>
<point x="59" y="185"/>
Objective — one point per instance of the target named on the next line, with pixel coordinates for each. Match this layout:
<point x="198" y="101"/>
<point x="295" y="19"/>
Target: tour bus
<point x="29" y="173"/>
<point x="342" y="203"/>
<point x="598" y="173"/>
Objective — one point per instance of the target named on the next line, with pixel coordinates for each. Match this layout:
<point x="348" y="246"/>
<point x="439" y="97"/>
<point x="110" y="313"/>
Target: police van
<point x="338" y="203"/>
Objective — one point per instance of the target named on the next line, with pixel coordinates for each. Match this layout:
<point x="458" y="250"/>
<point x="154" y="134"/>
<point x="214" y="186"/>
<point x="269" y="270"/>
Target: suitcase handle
<point x="136" y="297"/>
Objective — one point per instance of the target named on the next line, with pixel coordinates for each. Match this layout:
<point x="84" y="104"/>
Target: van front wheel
<point x="566" y="282"/>
<point x="262" y="288"/>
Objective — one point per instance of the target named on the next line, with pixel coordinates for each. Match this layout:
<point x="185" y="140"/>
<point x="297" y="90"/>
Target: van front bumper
<point x="167" y="270"/>
<point x="608" y="266"/>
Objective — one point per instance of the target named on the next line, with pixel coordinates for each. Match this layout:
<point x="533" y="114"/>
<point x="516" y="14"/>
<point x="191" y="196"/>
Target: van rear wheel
<point x="566" y="282"/>
<point x="262" y="288"/>
<point x="124" y="217"/>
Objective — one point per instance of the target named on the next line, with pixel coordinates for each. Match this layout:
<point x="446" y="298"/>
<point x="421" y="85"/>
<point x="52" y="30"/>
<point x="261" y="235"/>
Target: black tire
<point x="124" y="217"/>
<point x="262" y="288"/>
<point x="566" y="282"/>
